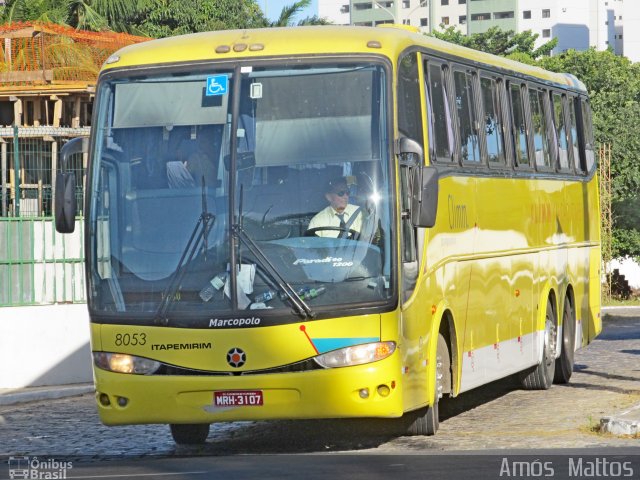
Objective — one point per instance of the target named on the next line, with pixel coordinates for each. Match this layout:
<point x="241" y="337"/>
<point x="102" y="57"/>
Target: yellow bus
<point x="330" y="222"/>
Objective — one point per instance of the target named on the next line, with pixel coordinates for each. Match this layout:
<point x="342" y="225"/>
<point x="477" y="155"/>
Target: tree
<point x="154" y="18"/>
<point x="506" y="43"/>
<point x="162" y="18"/>
<point x="43" y="10"/>
<point x="288" y="14"/>
<point x="94" y="15"/>
<point x="101" y="14"/>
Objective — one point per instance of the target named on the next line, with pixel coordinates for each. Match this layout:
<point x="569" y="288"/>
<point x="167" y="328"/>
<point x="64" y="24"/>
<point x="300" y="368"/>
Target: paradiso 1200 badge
<point x="236" y="357"/>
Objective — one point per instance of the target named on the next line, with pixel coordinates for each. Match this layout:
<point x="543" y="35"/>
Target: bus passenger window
<point x="492" y="121"/>
<point x="441" y="127"/>
<point x="560" y="132"/>
<point x="519" y="126"/>
<point x="574" y="136"/>
<point x="469" y="146"/>
<point x="540" y="132"/>
<point x="588" y="135"/>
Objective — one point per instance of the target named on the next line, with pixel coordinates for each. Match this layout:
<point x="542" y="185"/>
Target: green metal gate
<point x="37" y="265"/>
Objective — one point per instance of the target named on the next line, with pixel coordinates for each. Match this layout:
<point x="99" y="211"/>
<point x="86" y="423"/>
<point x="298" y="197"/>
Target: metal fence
<point x="37" y="265"/>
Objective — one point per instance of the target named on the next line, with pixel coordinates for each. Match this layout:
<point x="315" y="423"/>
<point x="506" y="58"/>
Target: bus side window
<point x="587" y="133"/>
<point x="409" y="125"/>
<point x="409" y="111"/>
<point x="540" y="128"/>
<point x="440" y="124"/>
<point x="519" y="126"/>
<point x="467" y="116"/>
<point x="560" y="129"/>
<point x="573" y="126"/>
<point x="493" y="128"/>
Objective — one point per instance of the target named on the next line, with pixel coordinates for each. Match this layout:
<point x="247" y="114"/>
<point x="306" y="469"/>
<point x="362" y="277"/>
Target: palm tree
<point x="94" y="15"/>
<point x="30" y="10"/>
<point x="101" y="14"/>
<point x="286" y="18"/>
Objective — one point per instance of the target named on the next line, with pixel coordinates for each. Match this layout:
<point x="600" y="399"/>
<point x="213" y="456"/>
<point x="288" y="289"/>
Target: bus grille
<point x="305" y="365"/>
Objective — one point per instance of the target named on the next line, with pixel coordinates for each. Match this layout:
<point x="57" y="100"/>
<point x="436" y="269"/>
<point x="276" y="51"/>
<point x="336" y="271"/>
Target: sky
<point x="274" y="7"/>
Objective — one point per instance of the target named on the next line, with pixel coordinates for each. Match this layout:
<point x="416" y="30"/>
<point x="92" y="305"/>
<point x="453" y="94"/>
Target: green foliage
<point x="626" y="234"/>
<point x="500" y="42"/>
<point x="522" y="58"/>
<point x="162" y="18"/>
<point x="24" y="10"/>
<point x="626" y="242"/>
<point x="155" y="18"/>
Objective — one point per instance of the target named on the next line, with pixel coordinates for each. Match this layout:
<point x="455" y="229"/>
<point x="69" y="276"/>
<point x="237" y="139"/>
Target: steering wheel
<point x="351" y="233"/>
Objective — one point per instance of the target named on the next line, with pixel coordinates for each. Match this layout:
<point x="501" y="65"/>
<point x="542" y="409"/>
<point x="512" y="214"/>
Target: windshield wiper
<point x="301" y="307"/>
<point x="199" y="234"/>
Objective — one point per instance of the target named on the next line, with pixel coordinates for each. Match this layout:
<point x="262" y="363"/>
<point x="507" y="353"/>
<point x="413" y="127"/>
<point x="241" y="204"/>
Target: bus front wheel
<point x="190" y="433"/>
<point x="427" y="420"/>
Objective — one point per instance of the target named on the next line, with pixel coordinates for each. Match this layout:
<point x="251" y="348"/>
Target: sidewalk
<point x="12" y="396"/>
<point x="626" y="422"/>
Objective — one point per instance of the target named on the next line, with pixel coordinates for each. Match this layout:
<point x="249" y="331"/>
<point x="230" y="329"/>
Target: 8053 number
<point x="130" y="339"/>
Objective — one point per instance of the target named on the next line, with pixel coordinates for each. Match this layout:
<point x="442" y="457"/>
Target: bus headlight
<point x="124" y="363"/>
<point x="356" y="355"/>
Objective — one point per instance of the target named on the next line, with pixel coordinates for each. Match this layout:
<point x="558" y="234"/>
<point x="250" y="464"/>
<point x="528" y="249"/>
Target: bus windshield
<point x="277" y="176"/>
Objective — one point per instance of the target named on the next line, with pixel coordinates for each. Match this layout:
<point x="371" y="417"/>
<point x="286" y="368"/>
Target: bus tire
<point x="540" y="377"/>
<point x="427" y="420"/>
<point x="564" y="363"/>
<point x="189" y="433"/>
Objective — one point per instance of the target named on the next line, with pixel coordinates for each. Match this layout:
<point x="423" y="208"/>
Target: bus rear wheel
<point x="564" y="363"/>
<point x="427" y="420"/>
<point x="189" y="433"/>
<point x="540" y="377"/>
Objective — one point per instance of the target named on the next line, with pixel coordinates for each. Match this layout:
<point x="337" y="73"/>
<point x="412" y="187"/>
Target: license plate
<point x="239" y="398"/>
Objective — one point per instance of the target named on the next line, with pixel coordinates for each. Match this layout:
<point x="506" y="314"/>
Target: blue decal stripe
<point x="324" y="345"/>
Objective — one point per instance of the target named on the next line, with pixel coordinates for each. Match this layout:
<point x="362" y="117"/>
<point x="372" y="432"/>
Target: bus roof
<point x="313" y="40"/>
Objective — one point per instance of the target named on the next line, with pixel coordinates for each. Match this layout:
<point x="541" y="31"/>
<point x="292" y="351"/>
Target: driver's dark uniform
<point x="330" y="218"/>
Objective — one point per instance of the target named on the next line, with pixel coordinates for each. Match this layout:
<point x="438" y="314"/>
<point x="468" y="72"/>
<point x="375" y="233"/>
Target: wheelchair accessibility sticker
<point x="217" y="85"/>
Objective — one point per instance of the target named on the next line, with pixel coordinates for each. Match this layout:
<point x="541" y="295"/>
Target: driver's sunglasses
<point x="341" y="193"/>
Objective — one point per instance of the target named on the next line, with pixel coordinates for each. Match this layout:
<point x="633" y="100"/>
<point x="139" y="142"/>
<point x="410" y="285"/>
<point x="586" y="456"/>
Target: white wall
<point x="570" y="21"/>
<point x="454" y="11"/>
<point x="336" y="11"/>
<point x="631" y="30"/>
<point x="44" y="345"/>
<point x="630" y="269"/>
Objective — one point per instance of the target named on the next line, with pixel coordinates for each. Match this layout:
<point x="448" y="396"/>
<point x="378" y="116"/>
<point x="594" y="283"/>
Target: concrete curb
<point x="34" y="394"/>
<point x="625" y="423"/>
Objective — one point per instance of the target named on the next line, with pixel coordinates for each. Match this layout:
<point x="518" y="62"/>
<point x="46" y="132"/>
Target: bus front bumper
<point x="370" y="390"/>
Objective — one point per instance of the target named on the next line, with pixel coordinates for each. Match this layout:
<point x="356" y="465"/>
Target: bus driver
<point x="338" y="218"/>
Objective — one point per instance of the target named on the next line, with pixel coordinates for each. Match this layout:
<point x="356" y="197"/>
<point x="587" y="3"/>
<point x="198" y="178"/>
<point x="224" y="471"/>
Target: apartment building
<point x="578" y="24"/>
<point x="372" y="13"/>
<point x="336" y="11"/>
<point x="631" y="35"/>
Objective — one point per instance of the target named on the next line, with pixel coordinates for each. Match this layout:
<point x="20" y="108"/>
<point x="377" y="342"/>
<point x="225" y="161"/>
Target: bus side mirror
<point x="65" y="201"/>
<point x="411" y="152"/>
<point x="424" y="196"/>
